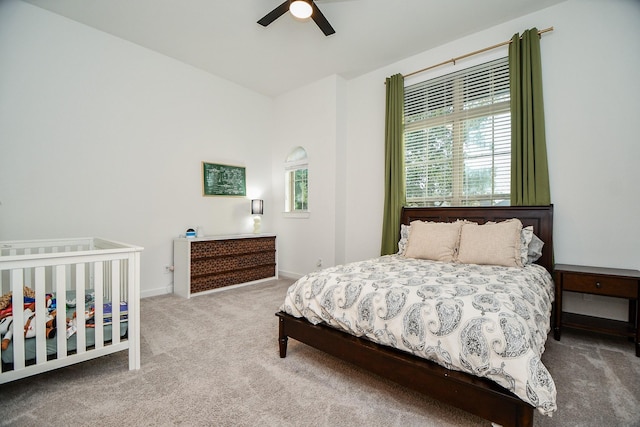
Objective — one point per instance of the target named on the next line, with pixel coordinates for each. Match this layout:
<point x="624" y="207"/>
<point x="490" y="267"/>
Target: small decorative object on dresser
<point x="206" y="264"/>
<point x="611" y="282"/>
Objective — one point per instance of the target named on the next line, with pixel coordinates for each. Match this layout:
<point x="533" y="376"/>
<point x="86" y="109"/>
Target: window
<point x="296" y="181"/>
<point x="457" y="138"/>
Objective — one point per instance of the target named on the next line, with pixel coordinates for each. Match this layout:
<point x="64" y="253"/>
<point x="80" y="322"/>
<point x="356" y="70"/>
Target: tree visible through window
<point x="458" y="138"/>
<point x="297" y="181"/>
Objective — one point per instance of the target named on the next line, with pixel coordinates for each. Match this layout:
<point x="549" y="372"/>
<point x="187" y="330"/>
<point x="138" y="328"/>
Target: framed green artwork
<point x="223" y="180"/>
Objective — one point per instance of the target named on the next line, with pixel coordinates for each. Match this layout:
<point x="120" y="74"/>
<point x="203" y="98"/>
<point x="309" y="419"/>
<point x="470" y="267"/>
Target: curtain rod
<point x="470" y="54"/>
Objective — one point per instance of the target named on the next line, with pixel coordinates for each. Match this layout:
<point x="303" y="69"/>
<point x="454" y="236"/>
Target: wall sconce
<point x="257" y="209"/>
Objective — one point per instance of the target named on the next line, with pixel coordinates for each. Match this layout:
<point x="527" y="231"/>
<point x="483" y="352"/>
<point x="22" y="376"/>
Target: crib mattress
<point x="30" y="344"/>
<point x="52" y="344"/>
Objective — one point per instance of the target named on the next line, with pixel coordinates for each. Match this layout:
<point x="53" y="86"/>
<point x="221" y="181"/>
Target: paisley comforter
<point x="488" y="321"/>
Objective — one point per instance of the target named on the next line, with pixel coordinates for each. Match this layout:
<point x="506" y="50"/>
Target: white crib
<point x="85" y="269"/>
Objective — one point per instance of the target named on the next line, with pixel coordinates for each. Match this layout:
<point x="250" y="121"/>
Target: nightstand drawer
<point x="601" y="285"/>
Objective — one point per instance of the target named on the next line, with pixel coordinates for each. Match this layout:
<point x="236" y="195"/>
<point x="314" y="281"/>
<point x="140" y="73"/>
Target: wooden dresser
<point x="207" y="264"/>
<point x="611" y="282"/>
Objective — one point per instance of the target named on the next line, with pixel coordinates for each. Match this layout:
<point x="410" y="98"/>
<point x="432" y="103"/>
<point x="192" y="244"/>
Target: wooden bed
<point x="478" y="396"/>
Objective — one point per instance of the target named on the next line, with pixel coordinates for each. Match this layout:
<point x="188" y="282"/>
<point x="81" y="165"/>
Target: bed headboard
<point x="540" y="217"/>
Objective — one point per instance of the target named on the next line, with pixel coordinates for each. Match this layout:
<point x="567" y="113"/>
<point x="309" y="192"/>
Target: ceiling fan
<point x="301" y="9"/>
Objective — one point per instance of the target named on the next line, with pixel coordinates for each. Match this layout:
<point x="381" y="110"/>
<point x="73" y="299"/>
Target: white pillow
<point x="525" y="238"/>
<point x="491" y="243"/>
<point x="530" y="246"/>
<point x="436" y="241"/>
<point x="535" y="249"/>
<point x="404" y="238"/>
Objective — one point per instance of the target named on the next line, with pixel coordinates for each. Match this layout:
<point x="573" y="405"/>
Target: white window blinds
<point x="457" y="138"/>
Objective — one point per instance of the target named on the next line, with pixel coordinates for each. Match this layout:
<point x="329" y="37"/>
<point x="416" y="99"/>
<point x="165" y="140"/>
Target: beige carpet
<point x="213" y="361"/>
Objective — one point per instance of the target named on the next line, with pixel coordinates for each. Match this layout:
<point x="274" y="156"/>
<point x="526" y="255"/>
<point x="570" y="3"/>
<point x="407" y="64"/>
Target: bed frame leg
<point x="282" y="339"/>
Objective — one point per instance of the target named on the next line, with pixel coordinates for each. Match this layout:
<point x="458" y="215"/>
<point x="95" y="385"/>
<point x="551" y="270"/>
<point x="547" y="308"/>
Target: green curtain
<point x="394" y="179"/>
<point x="529" y="169"/>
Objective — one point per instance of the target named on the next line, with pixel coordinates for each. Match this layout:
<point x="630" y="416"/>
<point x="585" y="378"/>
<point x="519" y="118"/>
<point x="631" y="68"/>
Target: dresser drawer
<point x="601" y="285"/>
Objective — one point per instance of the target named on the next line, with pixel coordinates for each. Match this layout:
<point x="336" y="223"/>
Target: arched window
<point x="296" y="178"/>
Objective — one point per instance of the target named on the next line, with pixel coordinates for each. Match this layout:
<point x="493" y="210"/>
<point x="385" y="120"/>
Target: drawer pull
<point x="598" y="285"/>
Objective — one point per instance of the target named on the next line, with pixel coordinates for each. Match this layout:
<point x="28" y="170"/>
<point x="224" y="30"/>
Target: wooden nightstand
<point x="611" y="282"/>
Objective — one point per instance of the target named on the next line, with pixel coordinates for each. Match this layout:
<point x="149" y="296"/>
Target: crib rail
<point x="109" y="270"/>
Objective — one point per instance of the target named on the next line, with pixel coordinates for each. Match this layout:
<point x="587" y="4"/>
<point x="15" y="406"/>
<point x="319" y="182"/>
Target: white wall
<point x="100" y="137"/>
<point x="591" y="89"/>
<point x="309" y="117"/>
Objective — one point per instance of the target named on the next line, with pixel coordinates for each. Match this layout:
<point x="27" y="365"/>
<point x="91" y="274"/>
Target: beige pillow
<point x="436" y="241"/>
<point x="491" y="243"/>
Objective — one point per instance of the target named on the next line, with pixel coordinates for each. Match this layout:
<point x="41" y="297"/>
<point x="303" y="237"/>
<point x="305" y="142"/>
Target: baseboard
<point x="155" y="292"/>
<point x="289" y="275"/>
<point x="169" y="289"/>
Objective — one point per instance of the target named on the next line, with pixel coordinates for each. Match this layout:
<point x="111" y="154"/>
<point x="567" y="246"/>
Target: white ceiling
<point x="223" y="38"/>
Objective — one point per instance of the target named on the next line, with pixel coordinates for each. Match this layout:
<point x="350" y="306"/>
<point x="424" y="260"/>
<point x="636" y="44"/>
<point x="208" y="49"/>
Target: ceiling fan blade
<point x="321" y="21"/>
<point x="274" y="14"/>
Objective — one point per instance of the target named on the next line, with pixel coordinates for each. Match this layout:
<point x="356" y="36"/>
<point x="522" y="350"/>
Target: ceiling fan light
<point x="301" y="9"/>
